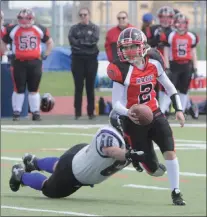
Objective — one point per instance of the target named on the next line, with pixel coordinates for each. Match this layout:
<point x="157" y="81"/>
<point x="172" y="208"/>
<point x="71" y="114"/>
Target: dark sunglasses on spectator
<point x="83" y="15"/>
<point x="121" y="18"/>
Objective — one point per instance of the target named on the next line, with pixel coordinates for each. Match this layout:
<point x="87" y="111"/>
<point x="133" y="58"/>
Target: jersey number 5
<point x="182" y="50"/>
<point x="145" y="93"/>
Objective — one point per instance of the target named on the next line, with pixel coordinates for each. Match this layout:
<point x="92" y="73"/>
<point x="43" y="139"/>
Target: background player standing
<point x="181" y="57"/>
<point x="26" y="65"/>
<point x="135" y="75"/>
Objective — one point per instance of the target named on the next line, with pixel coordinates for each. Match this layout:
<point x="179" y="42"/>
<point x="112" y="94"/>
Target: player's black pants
<point x="141" y="137"/>
<point x="84" y="69"/>
<point x="26" y="73"/>
<point x="181" y="75"/>
<point x="62" y="182"/>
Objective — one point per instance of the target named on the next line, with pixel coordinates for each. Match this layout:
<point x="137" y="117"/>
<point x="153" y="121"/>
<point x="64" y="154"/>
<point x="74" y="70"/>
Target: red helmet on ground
<point x="181" y="23"/>
<point x="166" y="16"/>
<point x="26" y="18"/>
<point x="132" y="45"/>
<point x="47" y="102"/>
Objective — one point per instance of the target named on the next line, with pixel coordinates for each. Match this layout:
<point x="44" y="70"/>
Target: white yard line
<point x="145" y="187"/>
<point x="45" y="210"/>
<point x="82" y="126"/>
<point x="126" y="168"/>
<point x="80" y="134"/>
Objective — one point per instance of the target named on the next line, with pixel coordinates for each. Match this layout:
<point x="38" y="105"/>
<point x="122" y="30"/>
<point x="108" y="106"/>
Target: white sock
<point x="34" y="102"/>
<point x="165" y="103"/>
<point x="17" y="101"/>
<point x="184" y="100"/>
<point x="173" y="173"/>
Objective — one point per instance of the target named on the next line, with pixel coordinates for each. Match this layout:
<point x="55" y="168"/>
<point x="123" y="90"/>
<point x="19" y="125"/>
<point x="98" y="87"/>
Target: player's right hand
<point x="180" y="117"/>
<point x="132" y="116"/>
<point x="135" y="156"/>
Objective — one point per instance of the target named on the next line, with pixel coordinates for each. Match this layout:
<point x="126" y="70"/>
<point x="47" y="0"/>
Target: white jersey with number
<point x="90" y="165"/>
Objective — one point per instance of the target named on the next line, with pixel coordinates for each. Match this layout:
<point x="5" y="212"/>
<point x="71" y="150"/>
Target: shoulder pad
<point x="117" y="71"/>
<point x="153" y="53"/>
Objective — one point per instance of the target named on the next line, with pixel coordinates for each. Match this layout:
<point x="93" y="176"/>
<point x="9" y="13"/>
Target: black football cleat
<point x="177" y="198"/>
<point x="36" y="116"/>
<point x="15" y="180"/>
<point x="30" y="162"/>
<point x="16" y="116"/>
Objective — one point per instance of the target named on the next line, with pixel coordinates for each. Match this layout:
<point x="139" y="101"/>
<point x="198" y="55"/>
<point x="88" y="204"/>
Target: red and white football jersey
<point x="26" y="42"/>
<point x="181" y="45"/>
<point x="139" y="84"/>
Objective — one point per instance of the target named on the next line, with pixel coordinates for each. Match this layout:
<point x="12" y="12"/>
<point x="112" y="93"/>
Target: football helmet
<point x="132" y="45"/>
<point x="166" y="16"/>
<point x="47" y="102"/>
<point x="26" y="18"/>
<point x="181" y="23"/>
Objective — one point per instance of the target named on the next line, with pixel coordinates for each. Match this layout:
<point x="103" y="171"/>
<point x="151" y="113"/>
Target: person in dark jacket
<point x="147" y="21"/>
<point x="113" y="34"/>
<point x="83" y="38"/>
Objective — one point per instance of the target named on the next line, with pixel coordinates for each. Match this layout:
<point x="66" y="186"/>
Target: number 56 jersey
<point x="26" y="42"/>
<point x="138" y="84"/>
<point x="90" y="165"/>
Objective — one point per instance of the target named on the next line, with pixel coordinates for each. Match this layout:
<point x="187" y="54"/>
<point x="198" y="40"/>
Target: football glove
<point x="135" y="156"/>
<point x="43" y="56"/>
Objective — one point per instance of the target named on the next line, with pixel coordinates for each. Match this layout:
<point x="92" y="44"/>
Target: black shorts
<point x="62" y="182"/>
<point x="181" y="75"/>
<point x="141" y="137"/>
<point x="26" y="73"/>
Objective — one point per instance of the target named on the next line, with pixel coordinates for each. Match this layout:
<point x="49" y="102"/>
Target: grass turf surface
<point x="109" y="197"/>
<point x="61" y="84"/>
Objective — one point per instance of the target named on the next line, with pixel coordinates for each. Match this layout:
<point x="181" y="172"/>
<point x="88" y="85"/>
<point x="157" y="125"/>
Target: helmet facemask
<point x="132" y="51"/>
<point x="181" y="26"/>
<point x="25" y="18"/>
<point x="166" y="21"/>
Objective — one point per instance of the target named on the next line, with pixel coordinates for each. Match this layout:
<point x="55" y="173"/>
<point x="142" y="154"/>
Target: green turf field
<point x="114" y="196"/>
<point x="61" y="84"/>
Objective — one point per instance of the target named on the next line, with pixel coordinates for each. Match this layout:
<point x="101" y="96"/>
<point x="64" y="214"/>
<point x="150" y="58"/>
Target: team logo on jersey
<point x="145" y="79"/>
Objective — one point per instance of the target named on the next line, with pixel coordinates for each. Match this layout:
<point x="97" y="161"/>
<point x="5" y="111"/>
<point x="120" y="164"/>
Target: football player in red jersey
<point x="26" y="64"/>
<point x="134" y="77"/>
<point x="181" y="57"/>
<point x="165" y="16"/>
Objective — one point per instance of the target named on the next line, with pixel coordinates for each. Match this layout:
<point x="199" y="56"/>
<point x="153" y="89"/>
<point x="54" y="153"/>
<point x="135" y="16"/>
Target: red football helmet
<point x="26" y="18"/>
<point x="181" y="23"/>
<point x="47" y="102"/>
<point x="166" y="16"/>
<point x="131" y="45"/>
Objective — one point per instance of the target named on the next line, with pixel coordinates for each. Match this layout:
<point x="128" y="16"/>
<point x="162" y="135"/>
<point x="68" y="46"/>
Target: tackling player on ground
<point x="135" y="75"/>
<point x="82" y="165"/>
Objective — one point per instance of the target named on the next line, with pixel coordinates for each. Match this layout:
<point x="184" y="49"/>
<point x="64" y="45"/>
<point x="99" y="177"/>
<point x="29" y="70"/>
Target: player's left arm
<point x="47" y="40"/>
<point x="194" y="53"/>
